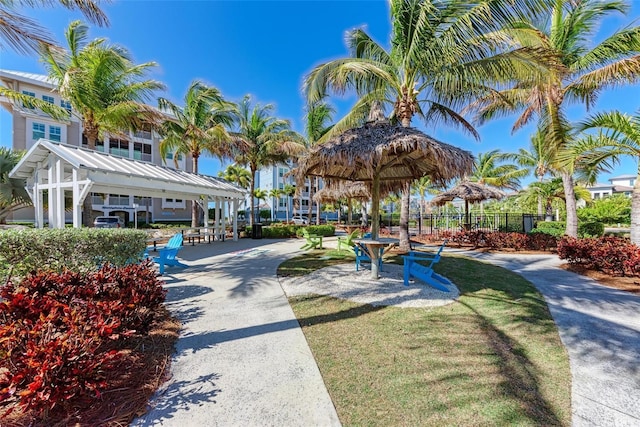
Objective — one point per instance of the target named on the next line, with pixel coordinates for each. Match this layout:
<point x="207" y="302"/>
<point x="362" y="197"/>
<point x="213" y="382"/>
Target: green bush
<point x="280" y="231"/>
<point x="321" y="230"/>
<point x="590" y="229"/>
<point x="78" y="250"/>
<point x="554" y="228"/>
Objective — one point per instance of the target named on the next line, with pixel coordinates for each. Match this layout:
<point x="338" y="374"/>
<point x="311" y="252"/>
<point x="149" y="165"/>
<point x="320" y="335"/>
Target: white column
<point x="50" y="198"/>
<point x="77" y="205"/>
<point x="235" y="219"/>
<point x="59" y="195"/>
<point x="205" y="208"/>
<point x="216" y="217"/>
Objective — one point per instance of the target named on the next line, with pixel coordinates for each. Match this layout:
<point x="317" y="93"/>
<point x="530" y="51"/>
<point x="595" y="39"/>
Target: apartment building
<point x="30" y="125"/>
<point x="622" y="184"/>
<point x="276" y="176"/>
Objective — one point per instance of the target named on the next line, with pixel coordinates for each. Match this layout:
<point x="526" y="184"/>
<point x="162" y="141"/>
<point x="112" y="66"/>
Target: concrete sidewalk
<point x="599" y="327"/>
<point x="241" y="359"/>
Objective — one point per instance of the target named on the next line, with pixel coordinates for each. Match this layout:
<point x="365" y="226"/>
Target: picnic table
<point x="375" y="249"/>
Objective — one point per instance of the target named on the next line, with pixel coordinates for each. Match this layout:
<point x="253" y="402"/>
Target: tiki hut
<point x="469" y="192"/>
<point x="380" y="152"/>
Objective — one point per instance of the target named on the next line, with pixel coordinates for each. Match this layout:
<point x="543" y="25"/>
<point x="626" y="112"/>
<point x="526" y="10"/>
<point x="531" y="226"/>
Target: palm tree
<point x="275" y="194"/>
<point x="538" y="160"/>
<point x="318" y="114"/>
<point x="289" y="191"/>
<point x="24" y="35"/>
<point x="620" y="137"/>
<point x="105" y="89"/>
<point x="261" y="195"/>
<point x="13" y="194"/>
<point x="198" y="128"/>
<point x="423" y="186"/>
<point x="263" y="140"/>
<point x="439" y="59"/>
<point x="237" y="175"/>
<point x="577" y="72"/>
<point x="549" y="191"/>
<point x="489" y="170"/>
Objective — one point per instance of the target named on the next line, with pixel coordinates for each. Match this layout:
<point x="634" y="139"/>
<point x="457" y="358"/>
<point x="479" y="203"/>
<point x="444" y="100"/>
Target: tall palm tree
<point x="199" y="128"/>
<point x="619" y="137"/>
<point x="106" y="90"/>
<point x="275" y="194"/>
<point x="490" y="169"/>
<point x="538" y="160"/>
<point x="318" y="114"/>
<point x="439" y="59"/>
<point x="549" y="191"/>
<point x="289" y="191"/>
<point x="25" y="35"/>
<point x="260" y="195"/>
<point x="13" y="194"/>
<point x="262" y="140"/>
<point x="578" y="71"/>
<point x="237" y="175"/>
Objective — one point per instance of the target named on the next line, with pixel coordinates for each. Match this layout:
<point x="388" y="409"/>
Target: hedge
<point x="79" y="250"/>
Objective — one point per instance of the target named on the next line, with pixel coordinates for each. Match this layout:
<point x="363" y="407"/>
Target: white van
<point x="108" y="222"/>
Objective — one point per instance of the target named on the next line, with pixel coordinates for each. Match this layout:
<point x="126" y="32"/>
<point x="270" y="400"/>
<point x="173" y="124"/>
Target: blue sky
<point x="265" y="48"/>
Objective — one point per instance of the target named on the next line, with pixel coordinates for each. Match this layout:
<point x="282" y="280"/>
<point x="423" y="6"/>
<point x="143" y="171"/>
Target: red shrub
<point x="59" y="332"/>
<point x="612" y="255"/>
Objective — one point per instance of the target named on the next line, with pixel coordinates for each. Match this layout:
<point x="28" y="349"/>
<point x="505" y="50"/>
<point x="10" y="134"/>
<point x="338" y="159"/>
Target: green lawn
<point x="492" y="358"/>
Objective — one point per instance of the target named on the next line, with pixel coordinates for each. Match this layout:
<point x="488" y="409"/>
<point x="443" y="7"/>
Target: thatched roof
<point x="393" y="152"/>
<point x="469" y="192"/>
<point x="336" y="190"/>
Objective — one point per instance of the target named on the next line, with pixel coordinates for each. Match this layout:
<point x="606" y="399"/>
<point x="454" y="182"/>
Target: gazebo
<point x="60" y="168"/>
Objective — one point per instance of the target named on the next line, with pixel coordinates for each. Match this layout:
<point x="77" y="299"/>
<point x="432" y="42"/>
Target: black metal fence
<point x="501" y="221"/>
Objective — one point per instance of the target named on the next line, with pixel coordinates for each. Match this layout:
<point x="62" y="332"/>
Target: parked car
<point x="299" y="220"/>
<point x="108" y="222"/>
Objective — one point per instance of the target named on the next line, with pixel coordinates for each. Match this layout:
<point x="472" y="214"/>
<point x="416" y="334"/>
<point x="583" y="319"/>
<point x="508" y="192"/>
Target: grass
<point x="492" y="358"/>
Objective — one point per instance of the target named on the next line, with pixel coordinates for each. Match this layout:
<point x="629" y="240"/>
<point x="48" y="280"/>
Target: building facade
<point x="285" y="207"/>
<point x="622" y="184"/>
<point x="29" y="125"/>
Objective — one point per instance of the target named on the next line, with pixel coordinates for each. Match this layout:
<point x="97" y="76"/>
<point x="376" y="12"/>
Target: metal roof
<point x="119" y="175"/>
<point x="37" y="79"/>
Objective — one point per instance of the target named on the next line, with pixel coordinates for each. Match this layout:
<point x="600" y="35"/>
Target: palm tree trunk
<point x="570" y="202"/>
<point x="635" y="212"/>
<point x="194" y="203"/>
<point x="252" y="189"/>
<point x="404" y="217"/>
<point x="87" y="205"/>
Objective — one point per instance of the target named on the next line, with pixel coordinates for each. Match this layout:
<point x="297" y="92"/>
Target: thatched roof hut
<point x="381" y="152"/>
<point x="469" y="192"/>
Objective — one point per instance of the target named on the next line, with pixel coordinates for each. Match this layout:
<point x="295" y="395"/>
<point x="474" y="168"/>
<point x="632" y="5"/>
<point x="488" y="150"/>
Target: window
<point x="118" y="200"/>
<point x="38" y="131"/>
<point x="142" y="151"/>
<point x="99" y="144"/>
<point x="282" y="202"/>
<point x="305" y="202"/>
<point x="31" y="94"/>
<point x="65" y="104"/>
<point x="170" y="156"/>
<point x="144" y="133"/>
<point x="119" y="147"/>
<point x="142" y="201"/>
<point x="282" y="171"/>
<point x="49" y="99"/>
<point x="54" y="133"/>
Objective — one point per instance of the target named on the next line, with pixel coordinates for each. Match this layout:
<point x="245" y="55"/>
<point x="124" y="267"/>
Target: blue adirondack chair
<point x="168" y="255"/>
<point x="425" y="272"/>
<point x="361" y="256"/>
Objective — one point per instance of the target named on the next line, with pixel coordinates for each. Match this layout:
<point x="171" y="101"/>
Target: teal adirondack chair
<point x="168" y="255"/>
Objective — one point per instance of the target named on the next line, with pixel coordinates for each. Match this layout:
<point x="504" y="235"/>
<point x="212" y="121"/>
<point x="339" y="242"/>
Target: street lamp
<point x="135" y="215"/>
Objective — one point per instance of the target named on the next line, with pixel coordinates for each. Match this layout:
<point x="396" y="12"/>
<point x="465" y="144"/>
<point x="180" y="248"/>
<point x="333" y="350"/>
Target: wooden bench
<point x="168" y="255"/>
<point x="425" y="273"/>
